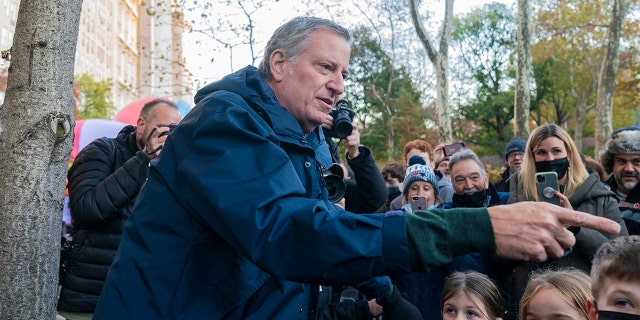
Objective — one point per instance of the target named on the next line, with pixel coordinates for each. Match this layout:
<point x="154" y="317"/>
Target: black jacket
<point x="629" y="206"/>
<point x="104" y="181"/>
<point x="369" y="191"/>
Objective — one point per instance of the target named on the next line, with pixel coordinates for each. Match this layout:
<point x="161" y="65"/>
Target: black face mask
<point x="559" y="166"/>
<point x="613" y="315"/>
<point x="394" y="192"/>
<point x="473" y="200"/>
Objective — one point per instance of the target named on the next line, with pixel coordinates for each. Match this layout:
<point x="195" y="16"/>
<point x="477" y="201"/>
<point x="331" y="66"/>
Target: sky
<point x="210" y="61"/>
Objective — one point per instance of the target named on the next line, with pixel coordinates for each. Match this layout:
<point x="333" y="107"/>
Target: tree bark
<point x="440" y="61"/>
<point x="522" y="99"/>
<point x="607" y="78"/>
<point x="36" y="125"/>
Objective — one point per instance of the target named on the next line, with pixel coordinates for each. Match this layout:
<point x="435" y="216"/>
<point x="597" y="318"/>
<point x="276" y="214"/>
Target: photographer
<point x="366" y="173"/>
<point x="104" y="182"/>
<point x="359" y="199"/>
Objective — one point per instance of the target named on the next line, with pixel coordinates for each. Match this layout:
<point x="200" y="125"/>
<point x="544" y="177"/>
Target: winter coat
<point x="368" y="191"/>
<point x="629" y="206"/>
<point x="233" y="221"/>
<point x="104" y="181"/>
<point x="593" y="197"/>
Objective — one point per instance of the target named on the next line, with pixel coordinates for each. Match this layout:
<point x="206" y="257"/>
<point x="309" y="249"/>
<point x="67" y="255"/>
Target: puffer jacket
<point x="104" y="181"/>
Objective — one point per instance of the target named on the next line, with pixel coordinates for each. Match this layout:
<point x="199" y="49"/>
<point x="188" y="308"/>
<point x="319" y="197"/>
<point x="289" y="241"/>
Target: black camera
<point x="342" y="118"/>
<point x="335" y="187"/>
<point x="171" y="127"/>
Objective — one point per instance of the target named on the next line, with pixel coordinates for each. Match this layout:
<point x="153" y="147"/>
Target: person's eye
<point x="327" y="67"/>
<point x="472" y="314"/>
<point x="636" y="162"/>
<point x="623" y="303"/>
<point x="449" y="310"/>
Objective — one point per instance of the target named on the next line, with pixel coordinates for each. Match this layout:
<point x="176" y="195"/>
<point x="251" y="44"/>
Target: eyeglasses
<point x="516" y="154"/>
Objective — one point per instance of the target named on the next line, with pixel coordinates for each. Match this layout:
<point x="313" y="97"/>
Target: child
<point x="556" y="294"/>
<point x="471" y="295"/>
<point x="615" y="276"/>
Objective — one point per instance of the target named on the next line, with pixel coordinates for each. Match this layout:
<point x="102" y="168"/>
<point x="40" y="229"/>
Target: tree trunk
<point x="440" y="61"/>
<point x="36" y="122"/>
<point x="607" y="78"/>
<point x="522" y="99"/>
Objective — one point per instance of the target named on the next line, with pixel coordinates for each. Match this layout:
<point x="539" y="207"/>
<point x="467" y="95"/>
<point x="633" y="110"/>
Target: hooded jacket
<point x="104" y="181"/>
<point x="233" y="222"/>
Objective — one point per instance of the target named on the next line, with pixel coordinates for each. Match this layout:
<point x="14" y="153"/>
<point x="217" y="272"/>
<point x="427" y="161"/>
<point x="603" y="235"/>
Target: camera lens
<point x="335" y="187"/>
<point x="540" y="178"/>
<point x="342" y="126"/>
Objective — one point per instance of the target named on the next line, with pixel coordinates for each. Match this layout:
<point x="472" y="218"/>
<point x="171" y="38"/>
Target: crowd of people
<point x="231" y="214"/>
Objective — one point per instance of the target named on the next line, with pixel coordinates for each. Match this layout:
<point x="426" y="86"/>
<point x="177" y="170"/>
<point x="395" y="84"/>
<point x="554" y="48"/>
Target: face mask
<point x="472" y="200"/>
<point x="558" y="166"/>
<point x="394" y="192"/>
<point x="612" y="315"/>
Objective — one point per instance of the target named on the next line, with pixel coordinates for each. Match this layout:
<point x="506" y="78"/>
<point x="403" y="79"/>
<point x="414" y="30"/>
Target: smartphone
<point x="450" y="149"/>
<point x="547" y="183"/>
<point x="418" y="203"/>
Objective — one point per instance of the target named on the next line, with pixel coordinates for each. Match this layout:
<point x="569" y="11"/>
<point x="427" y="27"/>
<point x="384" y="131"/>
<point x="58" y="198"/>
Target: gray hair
<point x="466" y="154"/>
<point x="292" y="38"/>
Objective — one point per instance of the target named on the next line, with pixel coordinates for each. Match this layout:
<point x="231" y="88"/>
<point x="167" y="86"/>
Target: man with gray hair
<point x="621" y="159"/>
<point x="471" y="187"/>
<point x="234" y="220"/>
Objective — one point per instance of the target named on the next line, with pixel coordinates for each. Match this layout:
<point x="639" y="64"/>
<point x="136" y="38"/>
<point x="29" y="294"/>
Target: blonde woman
<point x="550" y="148"/>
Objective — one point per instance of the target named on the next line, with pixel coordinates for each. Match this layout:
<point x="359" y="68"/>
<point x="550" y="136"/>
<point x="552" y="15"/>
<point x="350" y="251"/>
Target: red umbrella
<point x="129" y="114"/>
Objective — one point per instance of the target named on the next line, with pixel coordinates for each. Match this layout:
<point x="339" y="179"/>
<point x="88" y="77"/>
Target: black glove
<point x="397" y="307"/>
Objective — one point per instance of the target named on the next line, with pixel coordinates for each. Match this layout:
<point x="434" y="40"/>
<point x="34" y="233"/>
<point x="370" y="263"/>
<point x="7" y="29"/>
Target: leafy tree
<point x="440" y="59"/>
<point x="384" y="98"/>
<point x="523" y="91"/>
<point x="36" y="122"/>
<point x="485" y="41"/>
<point x="567" y="57"/>
<point x="607" y="77"/>
<point x="92" y="98"/>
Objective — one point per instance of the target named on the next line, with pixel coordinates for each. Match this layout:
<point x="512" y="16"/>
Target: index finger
<point x="580" y="219"/>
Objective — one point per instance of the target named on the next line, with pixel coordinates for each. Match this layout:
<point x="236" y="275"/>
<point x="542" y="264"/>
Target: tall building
<point x="8" y="17"/>
<point x="136" y="44"/>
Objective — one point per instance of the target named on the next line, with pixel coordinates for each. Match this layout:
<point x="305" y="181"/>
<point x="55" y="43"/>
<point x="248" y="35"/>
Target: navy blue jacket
<point x="234" y="219"/>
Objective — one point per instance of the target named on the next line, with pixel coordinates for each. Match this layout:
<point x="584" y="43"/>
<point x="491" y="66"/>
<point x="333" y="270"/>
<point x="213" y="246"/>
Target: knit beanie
<point x="622" y="142"/>
<point x="418" y="170"/>
<point x="514" y="145"/>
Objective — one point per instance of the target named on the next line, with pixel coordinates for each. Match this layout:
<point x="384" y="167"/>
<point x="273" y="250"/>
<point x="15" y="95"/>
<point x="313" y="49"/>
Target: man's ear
<point x="140" y="124"/>
<point x="592" y="311"/>
<point x="278" y="61"/>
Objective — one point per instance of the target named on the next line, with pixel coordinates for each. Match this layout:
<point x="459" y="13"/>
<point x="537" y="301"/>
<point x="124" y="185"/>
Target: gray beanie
<point x="622" y="142"/>
<point x="418" y="170"/>
<point x="514" y="145"/>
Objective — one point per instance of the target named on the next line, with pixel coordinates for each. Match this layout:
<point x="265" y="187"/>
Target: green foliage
<point x="485" y="40"/>
<point x="384" y="97"/>
<point x="93" y="98"/>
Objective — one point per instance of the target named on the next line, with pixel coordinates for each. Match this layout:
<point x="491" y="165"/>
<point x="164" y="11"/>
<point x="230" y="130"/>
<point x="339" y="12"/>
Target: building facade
<point x="136" y="44"/>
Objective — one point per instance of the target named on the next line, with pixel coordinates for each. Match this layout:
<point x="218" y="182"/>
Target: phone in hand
<point x="418" y="203"/>
<point x="547" y="183"/>
<point x="450" y="149"/>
